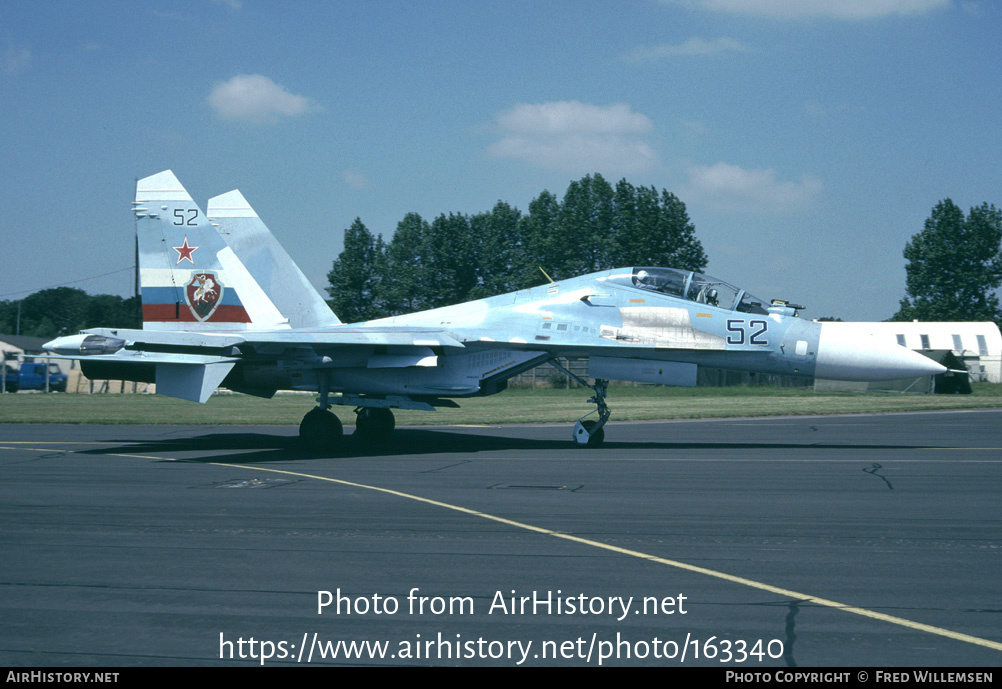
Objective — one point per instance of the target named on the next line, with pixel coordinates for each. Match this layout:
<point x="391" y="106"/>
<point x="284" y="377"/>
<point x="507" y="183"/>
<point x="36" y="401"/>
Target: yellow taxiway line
<point x="751" y="583"/>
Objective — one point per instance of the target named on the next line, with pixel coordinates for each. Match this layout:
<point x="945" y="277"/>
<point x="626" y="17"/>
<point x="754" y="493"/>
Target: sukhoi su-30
<point x="225" y="305"/>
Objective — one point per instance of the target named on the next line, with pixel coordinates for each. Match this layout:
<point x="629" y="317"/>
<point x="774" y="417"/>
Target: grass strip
<point x="628" y="403"/>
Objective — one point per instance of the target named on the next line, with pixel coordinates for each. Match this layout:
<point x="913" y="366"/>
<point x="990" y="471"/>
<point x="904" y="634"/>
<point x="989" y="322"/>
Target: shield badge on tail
<point x="204" y="293"/>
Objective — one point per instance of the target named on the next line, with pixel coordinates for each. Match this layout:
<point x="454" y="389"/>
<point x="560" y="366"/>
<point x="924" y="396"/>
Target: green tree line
<point x="66" y="310"/>
<point x="458" y="257"/>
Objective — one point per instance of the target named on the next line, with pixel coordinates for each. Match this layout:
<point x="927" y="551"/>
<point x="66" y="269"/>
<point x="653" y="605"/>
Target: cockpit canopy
<point x="697" y="287"/>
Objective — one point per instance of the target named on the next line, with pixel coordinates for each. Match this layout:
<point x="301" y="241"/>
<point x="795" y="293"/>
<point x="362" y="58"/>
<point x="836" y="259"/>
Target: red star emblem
<point x="184" y="252"/>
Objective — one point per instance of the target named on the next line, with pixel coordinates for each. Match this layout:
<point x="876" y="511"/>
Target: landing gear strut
<point x="320" y="429"/>
<point x="590" y="433"/>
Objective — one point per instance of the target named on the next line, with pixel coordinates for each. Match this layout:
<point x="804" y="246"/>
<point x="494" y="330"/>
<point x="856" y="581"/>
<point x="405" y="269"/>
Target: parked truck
<point x="31" y="376"/>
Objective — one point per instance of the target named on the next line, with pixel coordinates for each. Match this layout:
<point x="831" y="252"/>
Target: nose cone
<point x="846" y="354"/>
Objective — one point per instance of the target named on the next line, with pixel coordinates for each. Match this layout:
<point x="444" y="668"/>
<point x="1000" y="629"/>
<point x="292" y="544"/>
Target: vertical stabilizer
<point x="190" y="279"/>
<point x="268" y="263"/>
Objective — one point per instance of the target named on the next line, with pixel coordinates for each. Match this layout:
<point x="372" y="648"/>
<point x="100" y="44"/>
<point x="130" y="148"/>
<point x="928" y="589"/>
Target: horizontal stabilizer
<point x="422" y="338"/>
<point x="171" y="338"/>
<point x="128" y="357"/>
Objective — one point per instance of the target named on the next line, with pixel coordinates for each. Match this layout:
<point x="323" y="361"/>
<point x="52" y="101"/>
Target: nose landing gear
<point x="590" y="433"/>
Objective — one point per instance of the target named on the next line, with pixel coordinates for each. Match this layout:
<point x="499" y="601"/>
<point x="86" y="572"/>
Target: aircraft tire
<point x="374" y="424"/>
<point x="320" y="430"/>
<point x="594" y="439"/>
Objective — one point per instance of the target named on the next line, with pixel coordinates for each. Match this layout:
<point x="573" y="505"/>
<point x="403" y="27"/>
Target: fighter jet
<point x="231" y="309"/>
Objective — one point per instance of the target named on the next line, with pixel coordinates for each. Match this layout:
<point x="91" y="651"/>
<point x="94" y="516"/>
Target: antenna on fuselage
<point x="544" y="273"/>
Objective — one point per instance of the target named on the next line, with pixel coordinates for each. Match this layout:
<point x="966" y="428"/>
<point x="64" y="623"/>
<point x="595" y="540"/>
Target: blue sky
<point x="809" y="140"/>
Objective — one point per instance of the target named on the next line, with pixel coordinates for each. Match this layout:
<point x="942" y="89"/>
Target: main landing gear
<point x="321" y="430"/>
<point x="373" y="424"/>
<point x="590" y="433"/>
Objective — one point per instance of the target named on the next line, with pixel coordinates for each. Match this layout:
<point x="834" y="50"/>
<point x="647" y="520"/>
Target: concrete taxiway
<point x="810" y="541"/>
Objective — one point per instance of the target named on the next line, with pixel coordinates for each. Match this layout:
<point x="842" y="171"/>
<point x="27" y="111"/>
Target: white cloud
<point x="734" y="188"/>
<point x="692" y="47"/>
<point x="16" y="60"/>
<point x="255" y="98"/>
<point x="576" y="137"/>
<point x="837" y="9"/>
